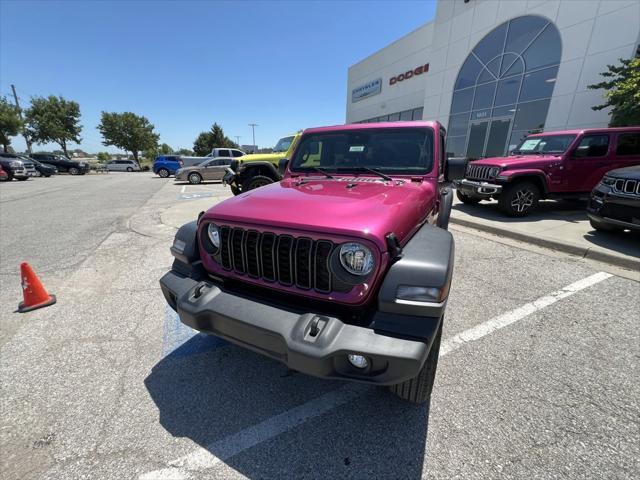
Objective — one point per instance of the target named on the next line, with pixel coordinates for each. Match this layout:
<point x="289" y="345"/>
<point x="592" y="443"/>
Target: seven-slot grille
<point x="479" y="172"/>
<point x="291" y="261"/>
<point x="629" y="187"/>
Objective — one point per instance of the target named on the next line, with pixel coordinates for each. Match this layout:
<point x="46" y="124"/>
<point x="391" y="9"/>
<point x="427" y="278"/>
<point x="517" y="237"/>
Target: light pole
<point x="253" y="131"/>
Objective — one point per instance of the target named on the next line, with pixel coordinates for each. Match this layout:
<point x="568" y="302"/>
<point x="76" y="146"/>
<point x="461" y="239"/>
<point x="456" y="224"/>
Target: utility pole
<point x="253" y="130"/>
<point x="237" y="140"/>
<point x="26" y="138"/>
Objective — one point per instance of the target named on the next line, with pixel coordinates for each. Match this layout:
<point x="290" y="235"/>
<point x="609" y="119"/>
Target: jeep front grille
<point x="287" y="260"/>
<point x="478" y="172"/>
<point x="628" y="187"/>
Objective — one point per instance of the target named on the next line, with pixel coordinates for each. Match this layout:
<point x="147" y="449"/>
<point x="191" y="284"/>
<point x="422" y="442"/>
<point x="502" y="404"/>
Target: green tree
<point x="129" y="131"/>
<point x="214" y="138"/>
<point x="622" y="92"/>
<point x="10" y="123"/>
<point x="186" y="152"/>
<point x="54" y="119"/>
<point x="165" y="149"/>
<point x="103" y="157"/>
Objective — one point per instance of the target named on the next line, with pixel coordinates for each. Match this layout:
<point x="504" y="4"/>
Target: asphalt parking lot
<point x="537" y="376"/>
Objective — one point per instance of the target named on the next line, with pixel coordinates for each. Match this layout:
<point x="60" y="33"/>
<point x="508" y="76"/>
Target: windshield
<point x="545" y="144"/>
<point x="396" y="151"/>
<point x="283" y="144"/>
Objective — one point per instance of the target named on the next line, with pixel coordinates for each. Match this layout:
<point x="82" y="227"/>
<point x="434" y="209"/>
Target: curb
<point x="588" y="252"/>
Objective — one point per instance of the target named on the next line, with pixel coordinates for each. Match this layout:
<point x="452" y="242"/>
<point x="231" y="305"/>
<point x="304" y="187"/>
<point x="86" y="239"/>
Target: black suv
<point x="615" y="202"/>
<point x="44" y="169"/>
<point x="16" y="167"/>
<point x="63" y="164"/>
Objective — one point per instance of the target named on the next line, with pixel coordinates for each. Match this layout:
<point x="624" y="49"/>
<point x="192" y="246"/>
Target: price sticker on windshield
<point x="356" y="148"/>
<point x="530" y="144"/>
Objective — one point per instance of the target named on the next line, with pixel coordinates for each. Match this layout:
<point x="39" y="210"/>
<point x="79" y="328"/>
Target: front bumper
<point x="620" y="210"/>
<point x="311" y="343"/>
<point x="478" y="188"/>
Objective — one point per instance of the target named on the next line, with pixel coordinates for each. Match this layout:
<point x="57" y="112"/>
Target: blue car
<point x="165" y="165"/>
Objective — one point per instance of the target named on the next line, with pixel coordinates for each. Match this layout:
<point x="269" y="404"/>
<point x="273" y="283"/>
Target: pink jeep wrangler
<point x="341" y="270"/>
<point x="550" y="165"/>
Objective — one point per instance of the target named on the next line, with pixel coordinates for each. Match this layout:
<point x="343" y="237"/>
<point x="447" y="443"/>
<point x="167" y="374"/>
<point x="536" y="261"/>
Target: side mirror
<point x="282" y="166"/>
<point x="454" y="168"/>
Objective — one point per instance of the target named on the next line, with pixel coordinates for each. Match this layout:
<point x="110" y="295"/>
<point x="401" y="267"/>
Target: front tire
<point x="519" y="199"/>
<point x="74" y="171"/>
<point x="467" y="199"/>
<point x="195" y="178"/>
<point x="163" y="173"/>
<point x="235" y="190"/>
<point x="129" y="169"/>
<point x="418" y="389"/>
<point x="254" y="182"/>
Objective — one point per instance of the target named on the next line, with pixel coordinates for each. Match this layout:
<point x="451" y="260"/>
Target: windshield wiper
<point x="320" y="170"/>
<point x="365" y="169"/>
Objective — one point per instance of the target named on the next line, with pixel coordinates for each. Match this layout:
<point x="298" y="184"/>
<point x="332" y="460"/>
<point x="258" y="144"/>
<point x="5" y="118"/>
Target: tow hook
<point x="315" y="327"/>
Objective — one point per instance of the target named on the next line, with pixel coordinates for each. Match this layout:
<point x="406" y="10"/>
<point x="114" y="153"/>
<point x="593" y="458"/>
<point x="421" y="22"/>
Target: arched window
<point x="503" y="89"/>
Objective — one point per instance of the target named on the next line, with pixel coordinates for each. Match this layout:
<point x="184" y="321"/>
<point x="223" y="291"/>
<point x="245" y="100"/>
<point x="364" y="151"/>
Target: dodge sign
<point x="409" y="73"/>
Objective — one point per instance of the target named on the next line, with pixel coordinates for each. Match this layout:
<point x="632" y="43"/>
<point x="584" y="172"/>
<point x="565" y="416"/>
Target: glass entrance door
<point x="488" y="138"/>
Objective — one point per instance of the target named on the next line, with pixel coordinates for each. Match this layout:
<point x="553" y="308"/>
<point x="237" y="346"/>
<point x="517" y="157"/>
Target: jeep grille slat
<point x="478" y="172"/>
<point x="627" y="187"/>
<point x="290" y="261"/>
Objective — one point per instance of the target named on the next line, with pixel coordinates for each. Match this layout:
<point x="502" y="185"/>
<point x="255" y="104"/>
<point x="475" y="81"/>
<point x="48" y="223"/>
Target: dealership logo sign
<point x="367" y="90"/>
<point x="409" y="74"/>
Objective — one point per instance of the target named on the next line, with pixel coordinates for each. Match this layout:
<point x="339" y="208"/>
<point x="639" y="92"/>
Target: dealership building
<point x="492" y="71"/>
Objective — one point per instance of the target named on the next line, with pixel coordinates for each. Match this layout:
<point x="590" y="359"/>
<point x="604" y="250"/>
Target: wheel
<point x="235" y="190"/>
<point x="468" y="199"/>
<point x="22" y="179"/>
<point x="74" y="171"/>
<point x="163" y="173"/>
<point x="256" y="181"/>
<point x="519" y="199"/>
<point x="194" y="178"/>
<point x="129" y="169"/>
<point x="418" y="389"/>
<point x="46" y="176"/>
<point x="603" y="226"/>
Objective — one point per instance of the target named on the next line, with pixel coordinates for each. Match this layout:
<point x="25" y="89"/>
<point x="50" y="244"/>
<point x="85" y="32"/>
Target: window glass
<point x="485" y="76"/>
<point x="628" y="144"/>
<point x="522" y="31"/>
<point x="507" y="91"/>
<point x="402" y="151"/>
<point x="477" y="135"/>
<point x="513" y="68"/>
<point x="538" y="84"/>
<point x="531" y="116"/>
<point x="497" y="138"/>
<point x="406" y="115"/>
<point x="468" y="73"/>
<point x="237" y="153"/>
<point x="223" y="153"/>
<point x="458" y="124"/>
<point x="545" y="144"/>
<point x="517" y="136"/>
<point x="491" y="45"/>
<point x="282" y="145"/>
<point x="461" y="101"/>
<point x="417" y="113"/>
<point x="384" y="118"/>
<point x="507" y="60"/>
<point x="481" y="114"/>
<point x="505" y="111"/>
<point x="484" y="96"/>
<point x="593" y="146"/>
<point x="455" y="146"/>
<point x="394" y="117"/>
<point x="544" y="51"/>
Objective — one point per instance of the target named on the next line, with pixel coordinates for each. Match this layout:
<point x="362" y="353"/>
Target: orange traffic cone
<point x="35" y="295"/>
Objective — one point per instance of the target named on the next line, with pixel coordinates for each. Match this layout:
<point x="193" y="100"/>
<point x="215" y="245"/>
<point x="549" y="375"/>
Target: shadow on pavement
<point x="567" y="210"/>
<point x="626" y="242"/>
<point x="211" y="395"/>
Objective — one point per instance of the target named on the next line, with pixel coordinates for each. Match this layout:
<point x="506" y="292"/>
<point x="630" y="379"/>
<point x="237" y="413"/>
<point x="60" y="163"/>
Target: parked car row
<point x="18" y="167"/>
<point x="600" y="164"/>
<point x="166" y="165"/>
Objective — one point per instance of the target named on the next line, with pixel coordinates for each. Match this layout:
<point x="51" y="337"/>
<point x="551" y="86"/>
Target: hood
<point x="361" y="207"/>
<point x="628" y="173"/>
<point x="263" y="157"/>
<point x="518" y="161"/>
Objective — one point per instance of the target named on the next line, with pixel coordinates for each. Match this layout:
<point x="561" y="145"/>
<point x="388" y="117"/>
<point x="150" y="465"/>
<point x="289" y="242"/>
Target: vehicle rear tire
<point x="129" y="169"/>
<point x="163" y="173"/>
<point x="235" y="190"/>
<point x="467" y="199"/>
<point x="418" y="389"/>
<point x="194" y="178"/>
<point x="254" y="182"/>
<point x="519" y="199"/>
<point x="603" y="226"/>
<point x="74" y="171"/>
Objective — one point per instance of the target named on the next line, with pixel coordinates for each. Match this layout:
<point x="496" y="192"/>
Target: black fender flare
<point x="446" y="202"/>
<point x="538" y="177"/>
<point x="248" y="169"/>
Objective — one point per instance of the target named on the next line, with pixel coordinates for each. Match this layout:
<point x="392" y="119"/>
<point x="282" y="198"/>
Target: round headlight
<point x="214" y="235"/>
<point x="494" y="172"/>
<point x="356" y="259"/>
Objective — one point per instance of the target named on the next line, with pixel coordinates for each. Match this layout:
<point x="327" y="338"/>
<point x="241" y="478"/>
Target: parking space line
<point x="184" y="187"/>
<point x="227" y="447"/>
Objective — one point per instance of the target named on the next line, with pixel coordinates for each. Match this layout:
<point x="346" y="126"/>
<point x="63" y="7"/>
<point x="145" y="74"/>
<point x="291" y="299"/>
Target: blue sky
<point x="184" y="65"/>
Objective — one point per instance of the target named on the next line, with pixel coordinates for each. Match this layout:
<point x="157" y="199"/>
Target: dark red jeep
<point x="549" y="165"/>
<point x="341" y="270"/>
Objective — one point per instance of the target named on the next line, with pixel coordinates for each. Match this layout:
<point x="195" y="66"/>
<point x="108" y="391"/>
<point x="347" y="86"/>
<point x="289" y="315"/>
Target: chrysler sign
<point x="409" y="73"/>
<point x="367" y="90"/>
